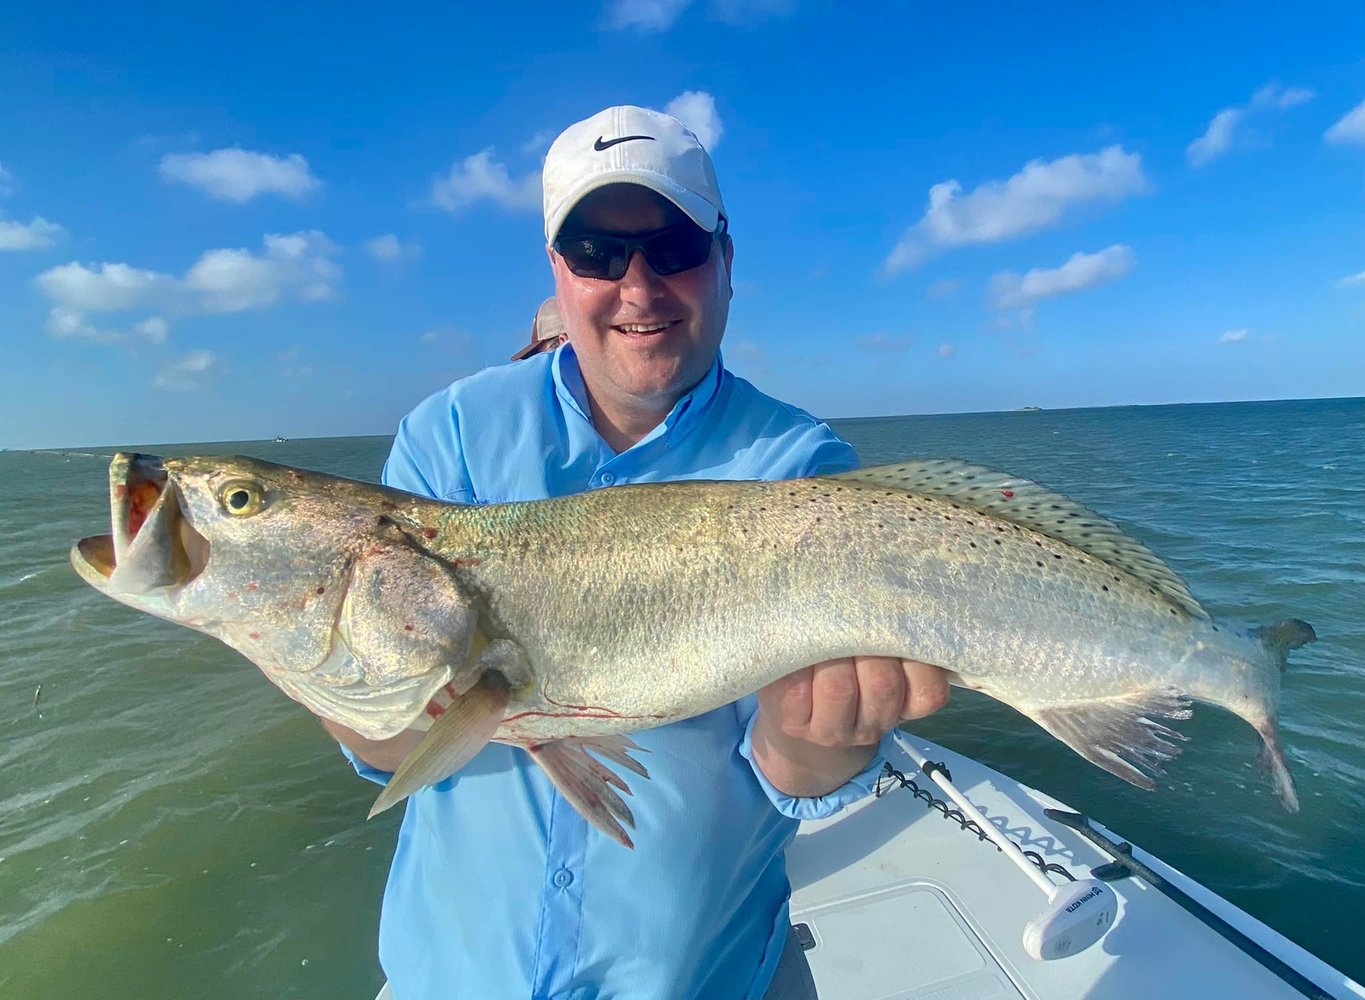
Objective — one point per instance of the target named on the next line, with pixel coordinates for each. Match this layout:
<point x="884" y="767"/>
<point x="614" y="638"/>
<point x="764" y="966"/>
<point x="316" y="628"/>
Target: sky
<point x="236" y="222"/>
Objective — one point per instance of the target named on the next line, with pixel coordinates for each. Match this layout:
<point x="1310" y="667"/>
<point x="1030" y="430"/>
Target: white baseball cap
<point x="630" y="145"/>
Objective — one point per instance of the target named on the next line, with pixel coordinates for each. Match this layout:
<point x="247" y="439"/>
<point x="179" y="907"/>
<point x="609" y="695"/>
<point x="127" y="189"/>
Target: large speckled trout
<point x="562" y="625"/>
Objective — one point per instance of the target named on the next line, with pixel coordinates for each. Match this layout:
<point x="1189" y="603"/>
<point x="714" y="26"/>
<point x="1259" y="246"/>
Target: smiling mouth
<point x="152" y="544"/>
<point x="644" y="329"/>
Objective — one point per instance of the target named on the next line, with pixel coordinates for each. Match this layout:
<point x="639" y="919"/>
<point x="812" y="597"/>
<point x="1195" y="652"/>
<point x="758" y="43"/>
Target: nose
<point x="641" y="283"/>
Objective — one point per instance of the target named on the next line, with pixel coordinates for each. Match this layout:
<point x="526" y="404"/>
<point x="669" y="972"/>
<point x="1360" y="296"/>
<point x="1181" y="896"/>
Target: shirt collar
<point x="687" y="412"/>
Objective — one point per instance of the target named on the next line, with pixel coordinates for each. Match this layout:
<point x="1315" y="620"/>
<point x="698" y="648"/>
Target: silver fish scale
<point x="664" y="609"/>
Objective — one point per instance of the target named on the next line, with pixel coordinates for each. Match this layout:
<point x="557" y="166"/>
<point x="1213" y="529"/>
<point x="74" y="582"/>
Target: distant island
<point x="1029" y="409"/>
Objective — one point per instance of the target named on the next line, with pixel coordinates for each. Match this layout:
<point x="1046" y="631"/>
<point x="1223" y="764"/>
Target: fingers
<point x="882" y="694"/>
<point x="788" y="701"/>
<point x="853" y="701"/>
<point x="834" y="702"/>
<point x="926" y="689"/>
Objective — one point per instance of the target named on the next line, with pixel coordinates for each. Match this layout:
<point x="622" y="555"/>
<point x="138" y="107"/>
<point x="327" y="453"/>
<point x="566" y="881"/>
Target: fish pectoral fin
<point x="589" y="785"/>
<point x="459" y="733"/>
<point x="1118" y="734"/>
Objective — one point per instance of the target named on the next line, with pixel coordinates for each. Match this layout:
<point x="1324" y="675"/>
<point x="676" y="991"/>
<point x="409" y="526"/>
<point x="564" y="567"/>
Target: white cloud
<point x="539" y="143"/>
<point x="294" y="266"/>
<point x="1227" y="128"/>
<point x="660" y="15"/>
<point x="390" y="247"/>
<point x="946" y="350"/>
<point x="1037" y="197"/>
<point x="37" y="235"/>
<point x="1355" y="279"/>
<point x="239" y="174"/>
<point x="1350" y="128"/>
<point x="104" y="288"/>
<point x="697" y="110"/>
<point x="71" y="324"/>
<point x="153" y="329"/>
<point x="943" y="288"/>
<point x="1234" y="336"/>
<point x="1081" y="271"/>
<point x="885" y="342"/>
<point x="480" y="176"/>
<point x="1273" y="97"/>
<point x="644" y="15"/>
<point x="188" y="372"/>
<point x="1217" y="138"/>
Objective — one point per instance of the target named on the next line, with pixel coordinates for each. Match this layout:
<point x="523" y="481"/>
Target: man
<point x="547" y="331"/>
<point x="499" y="888"/>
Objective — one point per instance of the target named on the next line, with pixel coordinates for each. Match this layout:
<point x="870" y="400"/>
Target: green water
<point x="171" y="826"/>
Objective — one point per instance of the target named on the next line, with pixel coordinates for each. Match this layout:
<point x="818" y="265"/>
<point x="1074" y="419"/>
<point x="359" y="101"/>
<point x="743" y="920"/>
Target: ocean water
<point x="171" y="826"/>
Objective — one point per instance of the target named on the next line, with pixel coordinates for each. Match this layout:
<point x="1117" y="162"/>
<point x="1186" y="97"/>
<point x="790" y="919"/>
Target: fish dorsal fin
<point x="1029" y="505"/>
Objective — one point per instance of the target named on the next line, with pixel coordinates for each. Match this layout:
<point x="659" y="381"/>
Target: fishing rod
<point x="1077" y="914"/>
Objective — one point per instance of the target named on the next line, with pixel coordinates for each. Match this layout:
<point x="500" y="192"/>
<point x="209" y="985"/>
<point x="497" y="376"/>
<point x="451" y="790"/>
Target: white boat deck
<point x="903" y="903"/>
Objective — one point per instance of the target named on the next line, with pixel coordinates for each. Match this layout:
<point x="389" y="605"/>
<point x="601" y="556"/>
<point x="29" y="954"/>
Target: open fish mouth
<point x="152" y="543"/>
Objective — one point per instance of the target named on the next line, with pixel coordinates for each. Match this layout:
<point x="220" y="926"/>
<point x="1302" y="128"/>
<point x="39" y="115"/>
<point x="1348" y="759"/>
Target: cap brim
<point x="697" y="208"/>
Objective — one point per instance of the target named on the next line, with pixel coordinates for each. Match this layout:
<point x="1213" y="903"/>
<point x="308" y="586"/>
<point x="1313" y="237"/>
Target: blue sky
<point x="236" y="222"/>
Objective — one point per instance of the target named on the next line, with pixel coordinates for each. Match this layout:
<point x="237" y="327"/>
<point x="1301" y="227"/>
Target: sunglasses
<point x="670" y="250"/>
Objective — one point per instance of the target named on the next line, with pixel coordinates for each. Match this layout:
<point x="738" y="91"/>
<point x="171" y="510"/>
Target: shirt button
<point x="563" y="878"/>
<point x="608" y="479"/>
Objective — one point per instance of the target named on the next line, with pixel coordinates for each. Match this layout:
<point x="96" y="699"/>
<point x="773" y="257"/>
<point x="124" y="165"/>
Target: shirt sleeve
<point x="427" y="457"/>
<point x="832" y="454"/>
<point x="857" y="787"/>
<point x="365" y="770"/>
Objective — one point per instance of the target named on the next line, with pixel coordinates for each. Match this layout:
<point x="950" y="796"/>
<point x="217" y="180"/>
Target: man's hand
<point x="819" y="726"/>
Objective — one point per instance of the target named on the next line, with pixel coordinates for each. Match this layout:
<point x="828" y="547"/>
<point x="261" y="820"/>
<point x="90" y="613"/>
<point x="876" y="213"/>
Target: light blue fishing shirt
<point x="499" y="889"/>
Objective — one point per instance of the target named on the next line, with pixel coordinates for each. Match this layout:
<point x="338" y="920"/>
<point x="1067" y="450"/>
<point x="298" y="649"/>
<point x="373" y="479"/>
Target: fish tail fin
<point x="1278" y="640"/>
<point x="1284" y="636"/>
<point x="1272" y="757"/>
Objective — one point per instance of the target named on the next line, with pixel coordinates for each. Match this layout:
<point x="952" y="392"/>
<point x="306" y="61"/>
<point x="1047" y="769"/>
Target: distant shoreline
<point x="299" y="439"/>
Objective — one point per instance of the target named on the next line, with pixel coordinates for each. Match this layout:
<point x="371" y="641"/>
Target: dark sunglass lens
<point x="679" y="249"/>
<point x="593" y="256"/>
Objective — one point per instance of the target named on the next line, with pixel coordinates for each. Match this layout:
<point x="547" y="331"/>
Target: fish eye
<point x="241" y="499"/>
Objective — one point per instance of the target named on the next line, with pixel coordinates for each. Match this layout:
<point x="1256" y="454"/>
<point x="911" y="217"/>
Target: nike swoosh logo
<point x="602" y="143"/>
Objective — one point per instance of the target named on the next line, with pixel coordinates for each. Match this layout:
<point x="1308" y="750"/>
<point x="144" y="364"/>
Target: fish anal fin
<point x="1035" y="507"/>
<point x="1120" y="734"/>
<point x="588" y="784"/>
<point x="453" y="740"/>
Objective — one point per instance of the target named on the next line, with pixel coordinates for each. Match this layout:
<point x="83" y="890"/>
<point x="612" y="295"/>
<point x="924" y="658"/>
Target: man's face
<point x="643" y="339"/>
